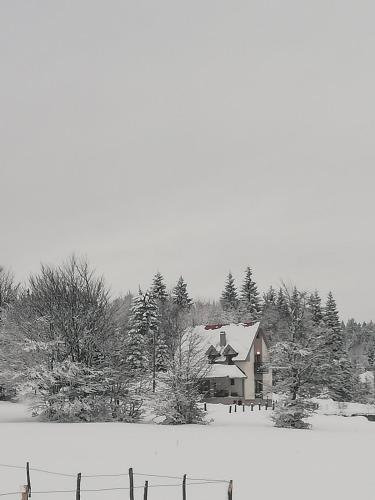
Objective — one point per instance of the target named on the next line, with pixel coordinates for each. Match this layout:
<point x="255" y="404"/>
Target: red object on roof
<point x="213" y="327"/>
<point x="220" y="325"/>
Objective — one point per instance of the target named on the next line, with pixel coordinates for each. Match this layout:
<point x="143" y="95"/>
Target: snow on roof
<point x="222" y="371"/>
<point x="240" y="336"/>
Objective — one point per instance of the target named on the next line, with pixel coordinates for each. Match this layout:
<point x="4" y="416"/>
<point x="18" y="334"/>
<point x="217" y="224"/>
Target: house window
<point x="232" y="381"/>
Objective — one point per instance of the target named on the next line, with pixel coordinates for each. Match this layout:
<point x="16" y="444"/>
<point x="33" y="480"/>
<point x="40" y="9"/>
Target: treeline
<point x="84" y="355"/>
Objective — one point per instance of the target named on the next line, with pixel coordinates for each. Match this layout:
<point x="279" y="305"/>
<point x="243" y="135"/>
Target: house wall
<point x="247" y="367"/>
<point x="236" y="388"/>
<point x="267" y="377"/>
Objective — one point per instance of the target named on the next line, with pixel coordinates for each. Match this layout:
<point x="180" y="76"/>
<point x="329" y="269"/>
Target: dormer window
<point x="229" y="353"/>
<point x="212" y="354"/>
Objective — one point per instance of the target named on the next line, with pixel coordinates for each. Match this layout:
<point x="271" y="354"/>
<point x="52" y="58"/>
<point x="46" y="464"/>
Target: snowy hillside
<point x="331" y="461"/>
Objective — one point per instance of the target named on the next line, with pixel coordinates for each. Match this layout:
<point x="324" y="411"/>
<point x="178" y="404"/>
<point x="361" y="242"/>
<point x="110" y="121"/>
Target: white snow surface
<point x="332" y="461"/>
<point x="330" y="407"/>
<point x="222" y="371"/>
<point x="240" y="336"/>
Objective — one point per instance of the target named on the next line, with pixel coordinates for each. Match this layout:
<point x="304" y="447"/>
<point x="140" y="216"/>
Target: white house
<point x="238" y="355"/>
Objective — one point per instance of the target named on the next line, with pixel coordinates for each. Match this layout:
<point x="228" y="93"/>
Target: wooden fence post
<point x="78" y="489"/>
<point x="243" y="408"/>
<point x="24" y="492"/>
<point x="230" y="408"/>
<point x="184" y="488"/>
<point x="145" y="491"/>
<point x="205" y="406"/>
<point x="235" y="408"/>
<point x="273" y="405"/>
<point x="230" y="490"/>
<point x="252" y="406"/>
<point x="259" y="406"/>
<point x="131" y="484"/>
<point x="28" y="479"/>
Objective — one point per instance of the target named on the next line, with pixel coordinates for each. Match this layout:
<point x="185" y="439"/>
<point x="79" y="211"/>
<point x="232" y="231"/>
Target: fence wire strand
<point x="88" y="490"/>
<point x="112" y="475"/>
<point x="190" y="481"/>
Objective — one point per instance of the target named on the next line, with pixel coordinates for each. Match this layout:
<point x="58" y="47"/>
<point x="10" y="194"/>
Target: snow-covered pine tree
<point x="270" y="297"/>
<point x="162" y="298"/>
<point x="178" y="396"/>
<point x="300" y="361"/>
<point x="332" y="322"/>
<point x="126" y="390"/>
<point x="180" y="295"/>
<point x="229" y="297"/>
<point x="158" y="288"/>
<point x="315" y="306"/>
<point x="341" y="376"/>
<point x="144" y="323"/>
<point x="281" y="303"/>
<point x="249" y="298"/>
<point x="162" y="352"/>
<point x="271" y="321"/>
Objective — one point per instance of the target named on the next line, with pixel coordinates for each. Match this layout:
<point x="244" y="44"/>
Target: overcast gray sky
<point x="191" y="137"/>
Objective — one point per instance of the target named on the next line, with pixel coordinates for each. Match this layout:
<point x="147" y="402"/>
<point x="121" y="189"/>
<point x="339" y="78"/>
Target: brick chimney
<point x="223" y="339"/>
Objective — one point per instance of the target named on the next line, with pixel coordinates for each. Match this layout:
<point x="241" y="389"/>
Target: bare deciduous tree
<point x="8" y="288"/>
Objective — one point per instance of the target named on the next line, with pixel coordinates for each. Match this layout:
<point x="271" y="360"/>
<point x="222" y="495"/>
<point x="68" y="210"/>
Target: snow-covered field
<point x="332" y="461"/>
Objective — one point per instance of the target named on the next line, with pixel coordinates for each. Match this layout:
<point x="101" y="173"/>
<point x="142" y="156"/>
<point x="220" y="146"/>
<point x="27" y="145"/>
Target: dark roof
<point x="229" y="351"/>
<point x="211" y="351"/>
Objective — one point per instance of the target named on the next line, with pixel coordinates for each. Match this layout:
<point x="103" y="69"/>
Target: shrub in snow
<point x="73" y="392"/>
<point x="291" y="413"/>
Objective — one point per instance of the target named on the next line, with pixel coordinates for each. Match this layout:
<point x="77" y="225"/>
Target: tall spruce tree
<point x="270" y="297"/>
<point x="249" y="297"/>
<point x="158" y="288"/>
<point x="315" y="306"/>
<point x="144" y="323"/>
<point x="299" y="359"/>
<point x="331" y="319"/>
<point x="229" y="297"/>
<point x="180" y="295"/>
<point x="281" y="303"/>
<point x="162" y="352"/>
<point x="271" y="321"/>
<point x="160" y="295"/>
<point x="341" y="381"/>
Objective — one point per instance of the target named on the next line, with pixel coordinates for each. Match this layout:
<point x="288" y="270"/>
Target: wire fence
<point x="184" y="482"/>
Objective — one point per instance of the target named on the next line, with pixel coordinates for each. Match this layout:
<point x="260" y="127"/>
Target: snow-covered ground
<point x="332" y="461"/>
<point x="329" y="407"/>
